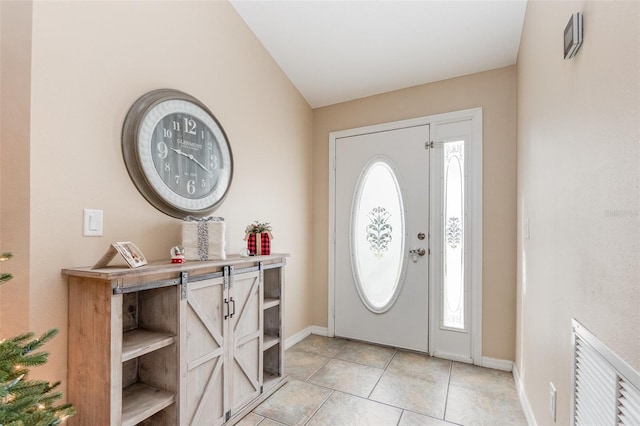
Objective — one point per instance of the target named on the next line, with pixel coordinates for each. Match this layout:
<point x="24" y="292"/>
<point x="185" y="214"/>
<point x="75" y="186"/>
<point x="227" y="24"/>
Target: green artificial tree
<point x="5" y="277"/>
<point x="26" y="402"/>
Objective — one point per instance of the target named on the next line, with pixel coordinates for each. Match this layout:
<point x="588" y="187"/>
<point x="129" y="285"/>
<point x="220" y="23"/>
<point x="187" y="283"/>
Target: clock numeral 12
<point x="189" y="126"/>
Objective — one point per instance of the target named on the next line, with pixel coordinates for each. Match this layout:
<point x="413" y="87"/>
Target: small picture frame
<point x="131" y="254"/>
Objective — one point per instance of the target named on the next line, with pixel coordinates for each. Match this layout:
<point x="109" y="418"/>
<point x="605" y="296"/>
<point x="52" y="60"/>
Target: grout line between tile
<point x="446" y="400"/>
<point x="320" y="406"/>
<point x="360" y="363"/>
<point x="318" y="369"/>
<point x="370" y="400"/>
<point x="431" y="417"/>
<point x="379" y="378"/>
<point x="395" y="351"/>
<point x="273" y="420"/>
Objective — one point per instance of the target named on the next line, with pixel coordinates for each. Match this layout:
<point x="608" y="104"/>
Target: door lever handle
<point x="419" y="251"/>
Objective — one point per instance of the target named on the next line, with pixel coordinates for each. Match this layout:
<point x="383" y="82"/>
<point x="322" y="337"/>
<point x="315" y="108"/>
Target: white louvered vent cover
<point x="606" y="389"/>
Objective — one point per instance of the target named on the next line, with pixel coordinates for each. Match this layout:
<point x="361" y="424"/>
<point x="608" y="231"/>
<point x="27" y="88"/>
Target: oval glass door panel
<point x="377" y="236"/>
<point x="453" y="303"/>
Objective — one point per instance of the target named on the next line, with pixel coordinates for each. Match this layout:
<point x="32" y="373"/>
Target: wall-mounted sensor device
<point x="573" y="35"/>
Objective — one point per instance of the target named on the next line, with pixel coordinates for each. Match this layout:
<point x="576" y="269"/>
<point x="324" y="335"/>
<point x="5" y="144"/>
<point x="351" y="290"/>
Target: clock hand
<point x="192" y="158"/>
<point x="198" y="163"/>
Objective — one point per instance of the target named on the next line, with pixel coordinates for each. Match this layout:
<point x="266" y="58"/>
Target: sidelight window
<point x="453" y="294"/>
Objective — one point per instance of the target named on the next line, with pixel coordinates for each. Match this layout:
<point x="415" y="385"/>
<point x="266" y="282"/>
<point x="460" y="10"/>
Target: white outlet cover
<point x="92" y="224"/>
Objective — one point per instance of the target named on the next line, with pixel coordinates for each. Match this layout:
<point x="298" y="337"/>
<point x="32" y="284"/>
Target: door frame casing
<point x="475" y="218"/>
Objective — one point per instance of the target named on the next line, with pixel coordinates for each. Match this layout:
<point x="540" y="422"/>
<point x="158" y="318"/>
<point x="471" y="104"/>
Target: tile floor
<point x="341" y="382"/>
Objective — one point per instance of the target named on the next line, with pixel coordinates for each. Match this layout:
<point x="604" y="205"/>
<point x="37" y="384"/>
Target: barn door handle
<point x="226" y="302"/>
<point x="234" y="307"/>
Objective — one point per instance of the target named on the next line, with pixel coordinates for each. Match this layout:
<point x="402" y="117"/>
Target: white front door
<point x="381" y="237"/>
<point x="397" y="189"/>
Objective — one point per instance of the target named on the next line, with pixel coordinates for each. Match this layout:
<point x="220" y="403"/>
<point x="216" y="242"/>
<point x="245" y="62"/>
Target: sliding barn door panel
<point x="202" y="364"/>
<point x="245" y="323"/>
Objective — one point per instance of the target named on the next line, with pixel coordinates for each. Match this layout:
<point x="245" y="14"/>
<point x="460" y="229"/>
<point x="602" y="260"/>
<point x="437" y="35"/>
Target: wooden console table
<point x="177" y="344"/>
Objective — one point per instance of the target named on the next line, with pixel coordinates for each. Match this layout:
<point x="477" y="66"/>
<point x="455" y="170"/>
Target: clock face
<point x="181" y="160"/>
<point x="185" y="155"/>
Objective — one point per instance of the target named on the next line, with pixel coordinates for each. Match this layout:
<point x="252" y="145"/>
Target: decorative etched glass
<point x="453" y="294"/>
<point x="377" y="232"/>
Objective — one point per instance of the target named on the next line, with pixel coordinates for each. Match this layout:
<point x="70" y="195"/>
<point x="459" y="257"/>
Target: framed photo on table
<point x="131" y="254"/>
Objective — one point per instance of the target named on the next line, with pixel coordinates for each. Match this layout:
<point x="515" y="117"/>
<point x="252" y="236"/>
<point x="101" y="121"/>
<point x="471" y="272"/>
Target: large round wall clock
<point x="177" y="154"/>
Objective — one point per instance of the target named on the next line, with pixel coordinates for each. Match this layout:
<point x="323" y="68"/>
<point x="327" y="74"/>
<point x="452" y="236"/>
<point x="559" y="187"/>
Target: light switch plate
<point x="92" y="224"/>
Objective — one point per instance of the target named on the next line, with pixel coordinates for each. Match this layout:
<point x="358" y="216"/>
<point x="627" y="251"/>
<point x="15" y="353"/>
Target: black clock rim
<point x="130" y="132"/>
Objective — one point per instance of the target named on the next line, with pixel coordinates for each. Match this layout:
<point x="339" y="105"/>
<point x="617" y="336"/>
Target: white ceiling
<point x="335" y="51"/>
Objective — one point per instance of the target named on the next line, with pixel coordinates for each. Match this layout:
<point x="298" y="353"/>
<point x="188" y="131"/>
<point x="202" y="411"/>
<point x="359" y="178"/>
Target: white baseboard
<point x="319" y="331"/>
<point x="297" y="338"/>
<point x="304" y="333"/>
<point x="524" y="402"/>
<point x="497" y="364"/>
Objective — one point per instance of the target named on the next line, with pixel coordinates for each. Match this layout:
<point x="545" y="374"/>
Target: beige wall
<point x="495" y="92"/>
<point x="578" y="185"/>
<point x="90" y="62"/>
<point x="15" y="71"/>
